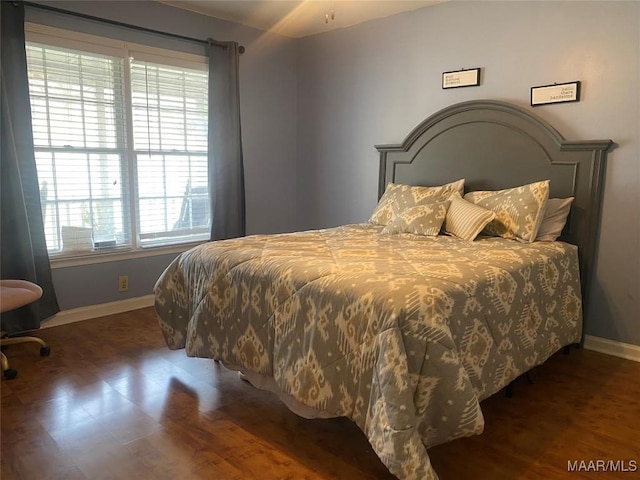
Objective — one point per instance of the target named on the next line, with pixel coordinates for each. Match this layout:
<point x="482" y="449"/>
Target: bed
<point x="404" y="334"/>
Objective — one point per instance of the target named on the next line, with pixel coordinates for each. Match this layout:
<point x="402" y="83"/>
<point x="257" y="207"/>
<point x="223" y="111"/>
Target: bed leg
<point x="567" y="349"/>
<point x="508" y="391"/>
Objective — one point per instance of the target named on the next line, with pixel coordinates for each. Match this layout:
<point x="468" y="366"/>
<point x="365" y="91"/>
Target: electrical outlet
<point x="123" y="283"/>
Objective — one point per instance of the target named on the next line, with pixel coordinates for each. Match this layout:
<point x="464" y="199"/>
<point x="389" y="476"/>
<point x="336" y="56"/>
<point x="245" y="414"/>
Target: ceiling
<point x="297" y="19"/>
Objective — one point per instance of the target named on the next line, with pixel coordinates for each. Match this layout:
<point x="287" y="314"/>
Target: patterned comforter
<point x="403" y="334"/>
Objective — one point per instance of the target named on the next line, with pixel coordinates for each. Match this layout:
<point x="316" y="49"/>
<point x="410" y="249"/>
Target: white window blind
<point x="170" y="141"/>
<point x="121" y="164"/>
<point x="78" y="129"/>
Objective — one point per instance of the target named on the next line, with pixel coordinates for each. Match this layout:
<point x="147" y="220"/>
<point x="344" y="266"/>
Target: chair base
<point x="10" y="373"/>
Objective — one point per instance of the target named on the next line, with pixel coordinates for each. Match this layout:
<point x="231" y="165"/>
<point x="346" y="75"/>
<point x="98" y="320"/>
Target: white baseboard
<point x="610" y="347"/>
<point x="95" y="311"/>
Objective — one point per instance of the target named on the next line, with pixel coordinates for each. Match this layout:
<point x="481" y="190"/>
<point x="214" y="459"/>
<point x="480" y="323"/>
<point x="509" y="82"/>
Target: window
<point x="121" y="146"/>
<point x="170" y="143"/>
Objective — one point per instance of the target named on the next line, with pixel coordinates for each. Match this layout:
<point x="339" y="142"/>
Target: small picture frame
<point x="556" y="93"/>
<point x="461" y="78"/>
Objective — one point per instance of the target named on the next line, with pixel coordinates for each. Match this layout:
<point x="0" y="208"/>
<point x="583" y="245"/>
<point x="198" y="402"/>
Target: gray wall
<point x="268" y="80"/>
<point x="372" y="83"/>
<point x="98" y="283"/>
<point x="342" y="92"/>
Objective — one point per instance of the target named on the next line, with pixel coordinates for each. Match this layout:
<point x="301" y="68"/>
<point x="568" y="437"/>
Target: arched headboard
<point x="496" y="145"/>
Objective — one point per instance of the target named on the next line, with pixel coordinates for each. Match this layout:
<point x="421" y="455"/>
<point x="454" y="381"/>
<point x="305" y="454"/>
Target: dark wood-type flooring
<point x="112" y="402"/>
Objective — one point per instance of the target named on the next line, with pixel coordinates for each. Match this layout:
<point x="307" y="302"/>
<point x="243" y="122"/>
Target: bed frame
<point x="493" y="145"/>
<point x="496" y="145"/>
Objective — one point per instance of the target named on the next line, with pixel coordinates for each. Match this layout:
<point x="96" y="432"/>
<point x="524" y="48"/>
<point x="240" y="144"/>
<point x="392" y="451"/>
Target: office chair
<point x="15" y="294"/>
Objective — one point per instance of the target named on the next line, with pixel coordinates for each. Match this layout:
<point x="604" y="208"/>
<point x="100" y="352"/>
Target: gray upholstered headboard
<point x="496" y="145"/>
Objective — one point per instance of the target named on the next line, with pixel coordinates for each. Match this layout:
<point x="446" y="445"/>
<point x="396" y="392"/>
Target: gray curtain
<point x="22" y="242"/>
<point x="226" y="171"/>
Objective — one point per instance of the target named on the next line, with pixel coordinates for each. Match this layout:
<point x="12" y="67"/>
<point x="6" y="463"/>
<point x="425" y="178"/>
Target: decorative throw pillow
<point x="398" y="197"/>
<point x="466" y="220"/>
<point x="419" y="220"/>
<point x="555" y="217"/>
<point x="518" y="210"/>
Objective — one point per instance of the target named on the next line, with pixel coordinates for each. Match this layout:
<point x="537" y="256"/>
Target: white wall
<point x="372" y="83"/>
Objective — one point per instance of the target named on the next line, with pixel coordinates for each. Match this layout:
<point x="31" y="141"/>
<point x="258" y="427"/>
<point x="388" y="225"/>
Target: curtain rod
<point x="241" y="48"/>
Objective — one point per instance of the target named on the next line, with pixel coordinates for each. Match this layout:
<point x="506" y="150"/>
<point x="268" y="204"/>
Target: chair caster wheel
<point x="45" y="351"/>
<point x="10" y="374"/>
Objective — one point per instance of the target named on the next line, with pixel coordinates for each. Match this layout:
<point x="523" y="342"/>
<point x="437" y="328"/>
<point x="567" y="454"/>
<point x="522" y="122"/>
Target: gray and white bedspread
<point x="403" y="334"/>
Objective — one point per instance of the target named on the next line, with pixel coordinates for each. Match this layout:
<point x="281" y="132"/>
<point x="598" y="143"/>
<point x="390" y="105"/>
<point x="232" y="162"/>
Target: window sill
<point x="118" y="255"/>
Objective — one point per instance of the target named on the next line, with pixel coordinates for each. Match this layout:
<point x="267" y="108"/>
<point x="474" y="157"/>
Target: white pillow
<point x="554" y="220"/>
<point x="466" y="220"/>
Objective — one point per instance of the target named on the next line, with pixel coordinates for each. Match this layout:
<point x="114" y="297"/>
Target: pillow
<point x="518" y="210"/>
<point x="419" y="220"/>
<point x="399" y="197"/>
<point x="555" y="217"/>
<point x="466" y="220"/>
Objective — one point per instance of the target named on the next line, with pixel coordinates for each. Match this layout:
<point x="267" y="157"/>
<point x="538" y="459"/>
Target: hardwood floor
<point x="112" y="402"/>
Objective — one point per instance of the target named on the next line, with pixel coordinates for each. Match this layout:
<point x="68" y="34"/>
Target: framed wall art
<point x="556" y="93"/>
<point x="461" y="78"/>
